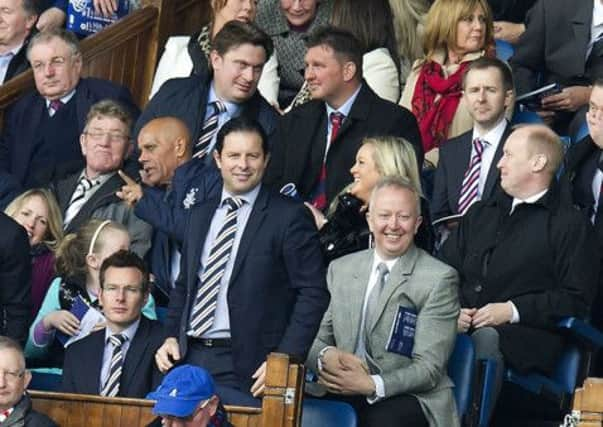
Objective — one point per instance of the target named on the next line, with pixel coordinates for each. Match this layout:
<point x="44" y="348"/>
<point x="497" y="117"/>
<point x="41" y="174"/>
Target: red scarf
<point x="434" y="117"/>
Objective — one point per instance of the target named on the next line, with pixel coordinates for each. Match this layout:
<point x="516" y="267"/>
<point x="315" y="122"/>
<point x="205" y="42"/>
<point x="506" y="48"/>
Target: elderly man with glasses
<point x="90" y="192"/>
<point x="15" y="404"/>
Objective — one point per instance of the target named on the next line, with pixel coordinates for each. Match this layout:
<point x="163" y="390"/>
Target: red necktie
<point x="320" y="196"/>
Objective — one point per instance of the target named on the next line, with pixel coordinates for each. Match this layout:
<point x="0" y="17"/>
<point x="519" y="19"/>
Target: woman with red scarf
<point x="456" y="33"/>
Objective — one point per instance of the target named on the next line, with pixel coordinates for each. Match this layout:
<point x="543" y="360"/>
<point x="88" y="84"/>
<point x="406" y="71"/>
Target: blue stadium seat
<point x="327" y="413"/>
<point x="581" y="133"/>
<point x="504" y="49"/>
<point x="461" y="370"/>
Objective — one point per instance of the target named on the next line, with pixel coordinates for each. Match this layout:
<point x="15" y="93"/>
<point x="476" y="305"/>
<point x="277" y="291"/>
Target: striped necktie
<point x="111" y="387"/>
<point x="372" y="302"/>
<point x="470" y="187"/>
<point x="78" y="198"/>
<point x="203" y="311"/>
<point x="210" y="128"/>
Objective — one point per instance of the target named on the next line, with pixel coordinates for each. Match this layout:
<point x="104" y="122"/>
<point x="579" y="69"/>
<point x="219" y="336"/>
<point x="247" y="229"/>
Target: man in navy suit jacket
<point x="88" y="368"/>
<point x="40" y="138"/>
<point x="271" y="290"/>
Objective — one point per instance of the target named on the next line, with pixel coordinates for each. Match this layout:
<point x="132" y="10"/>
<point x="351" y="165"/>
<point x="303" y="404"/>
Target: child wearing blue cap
<point x="186" y="398"/>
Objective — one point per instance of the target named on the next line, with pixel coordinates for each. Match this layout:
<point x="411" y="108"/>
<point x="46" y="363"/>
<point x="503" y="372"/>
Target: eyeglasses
<point x="113" y="136"/>
<point x="128" y="290"/>
<point x="191" y="417"/>
<point x="56" y="62"/>
<point x="12" y="376"/>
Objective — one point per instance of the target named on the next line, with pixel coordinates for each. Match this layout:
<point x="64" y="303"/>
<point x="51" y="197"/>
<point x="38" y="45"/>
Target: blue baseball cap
<point x="181" y="390"/>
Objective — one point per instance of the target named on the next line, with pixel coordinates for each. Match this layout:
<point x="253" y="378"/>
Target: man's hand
<point x="465" y="319"/>
<point x="130" y="193"/>
<point x="508" y="31"/>
<point x="167" y="355"/>
<point x="569" y="99"/>
<point x="351" y="379"/>
<point x="105" y="7"/>
<point x="257" y="389"/>
<point x="51" y="18"/>
<point x="493" y="314"/>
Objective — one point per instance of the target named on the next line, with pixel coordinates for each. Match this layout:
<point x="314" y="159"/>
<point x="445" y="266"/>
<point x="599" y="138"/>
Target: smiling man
<point x="385" y="340"/>
<point x="205" y="103"/>
<point x="251" y="278"/>
<point x="105" y="145"/>
<point x="467" y="170"/>
<point x="17" y="18"/>
<point x="526" y="258"/>
<point x="316" y="144"/>
<point x="117" y="360"/>
<point x="41" y="129"/>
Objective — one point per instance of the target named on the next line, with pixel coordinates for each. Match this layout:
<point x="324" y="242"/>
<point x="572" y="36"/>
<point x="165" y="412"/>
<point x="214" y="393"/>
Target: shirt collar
<point x="378" y="260"/>
<point x="494" y="135"/>
<point x="65" y="99"/>
<point x="346" y="107"/>
<point x="528" y="200"/>
<point x="12" y="52"/>
<point x="248" y="197"/>
<point x="597" y="13"/>
<point x="231" y="107"/>
<point x="129" y="332"/>
<point x="99" y="179"/>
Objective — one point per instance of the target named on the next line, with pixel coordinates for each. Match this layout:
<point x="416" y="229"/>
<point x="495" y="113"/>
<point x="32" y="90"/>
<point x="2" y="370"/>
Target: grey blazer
<point x="417" y="281"/>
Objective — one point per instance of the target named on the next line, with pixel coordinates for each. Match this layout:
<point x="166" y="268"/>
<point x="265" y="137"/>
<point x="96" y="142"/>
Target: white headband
<point x="95" y="236"/>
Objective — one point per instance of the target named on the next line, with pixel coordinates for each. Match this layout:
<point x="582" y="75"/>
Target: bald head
<point x="164" y="144"/>
<point x="531" y="156"/>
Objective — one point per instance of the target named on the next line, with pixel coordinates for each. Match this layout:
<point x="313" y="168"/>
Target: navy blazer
<point x="277" y="293"/>
<point x="186" y="99"/>
<point x="23" y="118"/>
<point x="455" y="155"/>
<point x="84" y="359"/>
<point x="302" y="134"/>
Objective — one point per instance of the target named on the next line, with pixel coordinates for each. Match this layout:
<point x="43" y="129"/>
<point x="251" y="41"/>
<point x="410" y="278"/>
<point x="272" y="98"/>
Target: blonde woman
<point x="37" y="211"/>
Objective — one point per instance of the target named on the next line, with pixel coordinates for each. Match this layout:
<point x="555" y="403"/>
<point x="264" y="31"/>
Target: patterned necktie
<point x="319" y="200"/>
<point x="372" y="301"/>
<point x="470" y="186"/>
<point x="111" y="387"/>
<point x="203" y="312"/>
<point x="210" y="128"/>
<point x="54" y="106"/>
<point x="78" y="198"/>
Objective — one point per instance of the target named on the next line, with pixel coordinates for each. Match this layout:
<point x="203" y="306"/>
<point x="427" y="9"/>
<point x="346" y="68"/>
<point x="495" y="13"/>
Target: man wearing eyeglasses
<point x="90" y="192"/>
<point x="39" y="138"/>
<point x="118" y="360"/>
<point x="15" y="404"/>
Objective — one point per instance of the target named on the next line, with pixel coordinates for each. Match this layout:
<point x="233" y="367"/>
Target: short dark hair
<point x="236" y="33"/>
<point x="486" y="62"/>
<point x="123" y="259"/>
<point x="241" y="124"/>
<point x="345" y="44"/>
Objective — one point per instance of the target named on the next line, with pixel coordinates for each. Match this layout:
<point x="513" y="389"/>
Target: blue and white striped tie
<point x="210" y="128"/>
<point x="111" y="387"/>
<point x="203" y="312"/>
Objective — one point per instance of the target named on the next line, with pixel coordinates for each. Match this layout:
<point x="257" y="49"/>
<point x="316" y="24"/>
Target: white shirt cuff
<point x="515" y="315"/>
<point x="320" y="355"/>
<point x="379" y="390"/>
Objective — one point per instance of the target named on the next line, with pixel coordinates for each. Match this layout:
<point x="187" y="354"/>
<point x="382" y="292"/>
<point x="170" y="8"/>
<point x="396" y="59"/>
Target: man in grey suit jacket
<point x="386" y="337"/>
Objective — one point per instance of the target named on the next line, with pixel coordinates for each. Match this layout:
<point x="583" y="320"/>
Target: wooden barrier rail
<point x="281" y="405"/>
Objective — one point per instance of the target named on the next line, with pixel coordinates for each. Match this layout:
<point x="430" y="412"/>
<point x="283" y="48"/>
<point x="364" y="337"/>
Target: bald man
<point x="526" y="258"/>
<point x="173" y="182"/>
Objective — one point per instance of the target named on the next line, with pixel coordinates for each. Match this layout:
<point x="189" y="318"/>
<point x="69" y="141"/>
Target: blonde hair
<point x="54" y="232"/>
<point x="408" y="18"/>
<point x="89" y="238"/>
<point x="442" y="21"/>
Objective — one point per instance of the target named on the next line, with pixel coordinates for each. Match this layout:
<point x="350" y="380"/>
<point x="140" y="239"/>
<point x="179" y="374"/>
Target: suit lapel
<point x="463" y="156"/>
<point x="361" y="273"/>
<point x="65" y="191"/>
<point x="199" y="227"/>
<point x="24" y="148"/>
<point x="134" y="355"/>
<point x="397" y="277"/>
<point x="581" y="23"/>
<point x="95" y="362"/>
<point x="258" y="214"/>
<point x="493" y="173"/>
